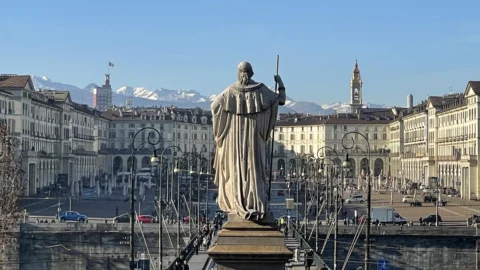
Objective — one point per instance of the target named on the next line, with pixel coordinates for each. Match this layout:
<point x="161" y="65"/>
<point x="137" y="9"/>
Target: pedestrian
<point x="285" y="231"/>
<point x="297" y="253"/>
<point x="308" y="259"/>
<point x="196" y="246"/>
<point x="178" y="265"/>
<point x="185" y="266"/>
<point x="116" y="211"/>
<point x="420" y="220"/>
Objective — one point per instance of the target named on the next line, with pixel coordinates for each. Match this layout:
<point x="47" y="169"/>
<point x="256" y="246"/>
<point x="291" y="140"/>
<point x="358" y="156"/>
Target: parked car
<point x="429" y="199"/>
<point x="145" y="219"/>
<point x="72" y="216"/>
<point x="416" y="203"/>
<point x="432" y="219"/>
<point x="423" y="186"/>
<point x="187" y="219"/>
<point x="355" y="198"/>
<point x="123" y="218"/>
<point x="408" y="199"/>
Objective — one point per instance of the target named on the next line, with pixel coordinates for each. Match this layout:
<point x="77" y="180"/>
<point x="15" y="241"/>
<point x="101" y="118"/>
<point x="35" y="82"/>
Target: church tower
<point x="356" y="90"/>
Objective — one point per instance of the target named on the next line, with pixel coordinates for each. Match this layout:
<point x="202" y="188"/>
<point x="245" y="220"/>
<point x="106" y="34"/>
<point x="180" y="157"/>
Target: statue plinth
<point x="244" y="244"/>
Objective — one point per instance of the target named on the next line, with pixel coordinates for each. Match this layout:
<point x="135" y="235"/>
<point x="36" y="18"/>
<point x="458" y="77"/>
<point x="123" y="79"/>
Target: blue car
<point x="72" y="216"/>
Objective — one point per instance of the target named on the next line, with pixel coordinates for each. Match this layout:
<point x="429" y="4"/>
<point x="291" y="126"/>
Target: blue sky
<point x="420" y="47"/>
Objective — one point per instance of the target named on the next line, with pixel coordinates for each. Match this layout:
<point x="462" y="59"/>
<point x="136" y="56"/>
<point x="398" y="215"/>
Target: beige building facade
<point x="188" y="129"/>
<point x="75" y="145"/>
<point x="433" y="141"/>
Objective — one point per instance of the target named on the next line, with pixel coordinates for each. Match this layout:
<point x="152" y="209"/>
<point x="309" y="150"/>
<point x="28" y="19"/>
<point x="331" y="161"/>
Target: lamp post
<point x="369" y="191"/>
<point x="190" y="220"/>
<point x="346" y="166"/>
<point x="132" y="189"/>
<point x="159" y="201"/>
<point x="305" y="159"/>
<point x="176" y="170"/>
<point x="202" y="160"/>
<point x="317" y="212"/>
<point x="326" y="182"/>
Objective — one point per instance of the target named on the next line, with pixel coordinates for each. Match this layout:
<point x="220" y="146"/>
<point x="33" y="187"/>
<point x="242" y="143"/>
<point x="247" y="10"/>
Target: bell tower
<point x="356" y="90"/>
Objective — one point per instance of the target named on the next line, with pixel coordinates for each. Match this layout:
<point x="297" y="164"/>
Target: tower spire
<point x="356" y="84"/>
<point x="356" y="70"/>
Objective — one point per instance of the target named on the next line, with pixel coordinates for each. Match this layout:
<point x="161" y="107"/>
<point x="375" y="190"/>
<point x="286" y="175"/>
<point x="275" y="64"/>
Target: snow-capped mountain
<point x="142" y="96"/>
<point x="162" y="94"/>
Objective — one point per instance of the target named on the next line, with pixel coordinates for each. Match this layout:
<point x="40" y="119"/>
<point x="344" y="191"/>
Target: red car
<point x="145" y="219"/>
<point x="187" y="219"/>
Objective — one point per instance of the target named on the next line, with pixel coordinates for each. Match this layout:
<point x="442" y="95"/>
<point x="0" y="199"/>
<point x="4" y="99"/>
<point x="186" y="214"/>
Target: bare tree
<point x="10" y="183"/>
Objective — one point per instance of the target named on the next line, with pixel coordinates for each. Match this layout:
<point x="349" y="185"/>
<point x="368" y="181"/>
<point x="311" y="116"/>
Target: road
<point x="452" y="215"/>
<point x="101" y="208"/>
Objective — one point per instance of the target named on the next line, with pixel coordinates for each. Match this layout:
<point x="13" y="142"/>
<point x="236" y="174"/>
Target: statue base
<point x="244" y="244"/>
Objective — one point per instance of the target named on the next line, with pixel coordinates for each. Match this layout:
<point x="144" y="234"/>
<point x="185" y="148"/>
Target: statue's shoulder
<point x="253" y="98"/>
<point x="219" y="101"/>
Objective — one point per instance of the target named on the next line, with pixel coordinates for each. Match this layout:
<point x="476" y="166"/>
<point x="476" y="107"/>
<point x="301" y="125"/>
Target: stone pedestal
<point x="243" y="244"/>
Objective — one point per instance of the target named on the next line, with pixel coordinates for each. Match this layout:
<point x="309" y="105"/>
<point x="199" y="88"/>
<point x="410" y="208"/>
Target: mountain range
<point x="189" y="98"/>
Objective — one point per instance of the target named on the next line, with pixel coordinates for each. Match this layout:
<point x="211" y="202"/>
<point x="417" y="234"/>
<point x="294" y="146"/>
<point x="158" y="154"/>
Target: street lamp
<point x="346" y="167"/>
<point x="176" y="171"/>
<point x="154" y="160"/>
<point x="132" y="189"/>
<point x="369" y="193"/>
<point x="190" y="220"/>
<point x="326" y="180"/>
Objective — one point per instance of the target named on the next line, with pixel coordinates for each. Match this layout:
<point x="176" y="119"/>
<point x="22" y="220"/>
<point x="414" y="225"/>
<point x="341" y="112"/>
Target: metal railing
<point x="186" y="253"/>
<point x="305" y="246"/>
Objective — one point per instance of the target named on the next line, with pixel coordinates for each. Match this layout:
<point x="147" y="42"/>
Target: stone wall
<point x="415" y="249"/>
<point x="92" y="247"/>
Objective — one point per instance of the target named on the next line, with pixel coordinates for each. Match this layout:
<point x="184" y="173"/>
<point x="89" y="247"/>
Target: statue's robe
<point x="243" y="117"/>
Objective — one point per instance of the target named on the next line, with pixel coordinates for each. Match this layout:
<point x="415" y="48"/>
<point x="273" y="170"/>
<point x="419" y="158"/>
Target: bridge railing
<point x="186" y="253"/>
<point x="305" y="246"/>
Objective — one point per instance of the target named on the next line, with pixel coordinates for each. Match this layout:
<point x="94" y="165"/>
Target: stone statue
<point x="244" y="114"/>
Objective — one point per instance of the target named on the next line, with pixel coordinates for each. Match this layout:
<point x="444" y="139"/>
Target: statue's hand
<point x="278" y="80"/>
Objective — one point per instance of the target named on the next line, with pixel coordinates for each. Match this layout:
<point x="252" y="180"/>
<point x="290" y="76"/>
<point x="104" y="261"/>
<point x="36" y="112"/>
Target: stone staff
<point x="273" y="142"/>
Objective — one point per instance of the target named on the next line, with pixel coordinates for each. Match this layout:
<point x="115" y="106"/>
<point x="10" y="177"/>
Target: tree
<point x="10" y="183"/>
